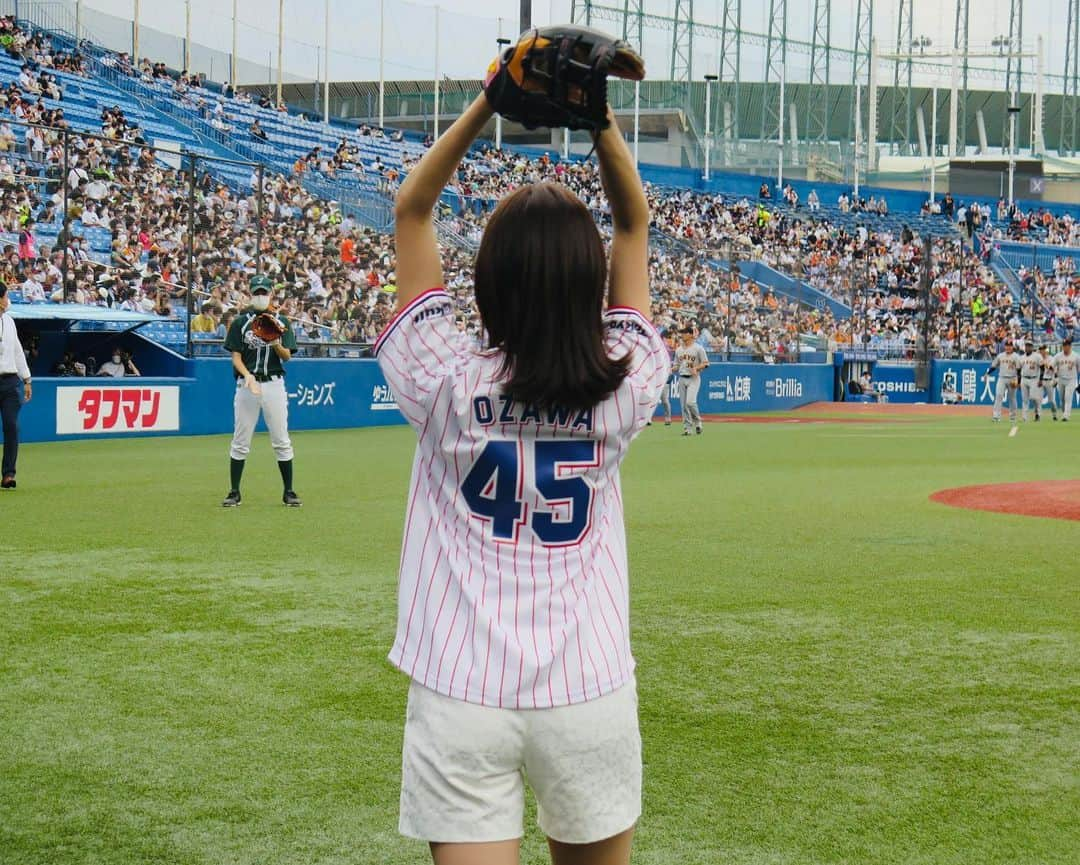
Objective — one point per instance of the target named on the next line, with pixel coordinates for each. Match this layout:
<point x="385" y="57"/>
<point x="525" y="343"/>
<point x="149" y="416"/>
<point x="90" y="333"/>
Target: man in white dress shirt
<point x="13" y="371"/>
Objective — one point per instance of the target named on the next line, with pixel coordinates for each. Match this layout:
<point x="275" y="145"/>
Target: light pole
<point x="436" y="136"/>
<point x="1014" y="109"/>
<point x="732" y="275"/>
<point x="382" y="75"/>
<point x="1001" y="42"/>
<point x="780" y="133"/>
<point x="959" y="300"/>
<point x="923" y="42"/>
<point x="933" y="143"/>
<point x="501" y="41"/>
<point x="858" y="136"/>
<point x="709" y="79"/>
<point x="326" y="65"/>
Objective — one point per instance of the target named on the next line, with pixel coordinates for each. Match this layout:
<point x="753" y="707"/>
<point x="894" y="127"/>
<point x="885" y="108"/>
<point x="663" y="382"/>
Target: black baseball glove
<point x="557" y="76"/>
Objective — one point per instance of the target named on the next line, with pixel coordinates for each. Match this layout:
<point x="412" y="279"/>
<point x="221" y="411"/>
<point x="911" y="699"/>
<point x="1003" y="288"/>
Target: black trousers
<point x="10" y="403"/>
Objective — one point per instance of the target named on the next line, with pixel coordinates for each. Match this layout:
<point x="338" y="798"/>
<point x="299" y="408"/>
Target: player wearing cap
<point x="691" y="360"/>
<point x="1030" y="380"/>
<point x="1047" y="381"/>
<point x="1007" y="365"/>
<point x="1067" y="366"/>
<point x="258" y="366"/>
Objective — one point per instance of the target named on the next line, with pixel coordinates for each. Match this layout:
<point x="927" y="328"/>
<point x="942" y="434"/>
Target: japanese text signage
<point x="83" y="410"/>
<point x="314" y="395"/>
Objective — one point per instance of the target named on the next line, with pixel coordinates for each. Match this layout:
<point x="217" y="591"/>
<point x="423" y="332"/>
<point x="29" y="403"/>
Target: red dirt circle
<point x="1058" y="500"/>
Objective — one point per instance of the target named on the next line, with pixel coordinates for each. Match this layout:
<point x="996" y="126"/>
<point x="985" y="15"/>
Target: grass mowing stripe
<point x="832" y="668"/>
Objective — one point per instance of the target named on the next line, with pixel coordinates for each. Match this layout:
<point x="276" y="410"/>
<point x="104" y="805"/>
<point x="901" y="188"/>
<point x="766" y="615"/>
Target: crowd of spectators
<point x="877" y="271"/>
<point x="336" y="278"/>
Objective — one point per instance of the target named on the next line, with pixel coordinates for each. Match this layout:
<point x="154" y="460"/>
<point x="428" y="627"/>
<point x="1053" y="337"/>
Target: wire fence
<point x="115" y="222"/>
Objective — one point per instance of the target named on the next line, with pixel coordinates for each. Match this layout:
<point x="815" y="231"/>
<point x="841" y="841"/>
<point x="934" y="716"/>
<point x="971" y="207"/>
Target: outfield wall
<point x="733" y="388"/>
<point x="334" y="394"/>
<point x="966" y="377"/>
<point x="329" y="394"/>
<point x="897" y="382"/>
<point x="323" y="394"/>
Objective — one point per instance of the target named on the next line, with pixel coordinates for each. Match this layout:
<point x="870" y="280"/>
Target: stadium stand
<point x="826" y="275"/>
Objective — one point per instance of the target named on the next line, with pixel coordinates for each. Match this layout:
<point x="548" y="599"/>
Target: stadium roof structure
<point x="73" y="312"/>
<point x="408" y="100"/>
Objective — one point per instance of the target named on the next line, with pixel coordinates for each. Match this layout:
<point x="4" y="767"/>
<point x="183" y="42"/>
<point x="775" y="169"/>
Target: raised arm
<point x="629" y="278"/>
<point x="419" y="267"/>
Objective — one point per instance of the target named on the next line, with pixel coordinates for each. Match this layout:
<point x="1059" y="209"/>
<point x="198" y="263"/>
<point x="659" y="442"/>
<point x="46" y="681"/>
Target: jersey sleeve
<point x="627" y="330"/>
<point x="416" y="350"/>
<point x="288" y="339"/>
<point x="233" y="340"/>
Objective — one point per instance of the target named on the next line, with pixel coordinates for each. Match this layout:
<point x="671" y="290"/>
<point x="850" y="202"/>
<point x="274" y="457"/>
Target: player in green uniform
<point x="259" y="369"/>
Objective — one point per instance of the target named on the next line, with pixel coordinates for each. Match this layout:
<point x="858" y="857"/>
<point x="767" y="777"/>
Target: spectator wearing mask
<point x="33" y="290"/>
<point x="119" y="365"/>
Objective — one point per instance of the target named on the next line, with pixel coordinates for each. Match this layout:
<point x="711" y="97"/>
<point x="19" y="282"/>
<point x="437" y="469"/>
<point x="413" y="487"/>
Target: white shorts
<point x="464" y="765"/>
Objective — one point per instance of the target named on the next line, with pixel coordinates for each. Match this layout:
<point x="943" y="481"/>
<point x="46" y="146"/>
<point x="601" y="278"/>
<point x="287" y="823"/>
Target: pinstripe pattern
<point x="516" y="624"/>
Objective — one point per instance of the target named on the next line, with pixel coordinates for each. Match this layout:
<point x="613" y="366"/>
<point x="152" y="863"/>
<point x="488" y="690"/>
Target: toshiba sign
<point x="83" y="410"/>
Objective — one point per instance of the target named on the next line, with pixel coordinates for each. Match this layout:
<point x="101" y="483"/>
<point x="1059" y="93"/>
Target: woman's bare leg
<point x="611" y="851"/>
<point x="488" y="853"/>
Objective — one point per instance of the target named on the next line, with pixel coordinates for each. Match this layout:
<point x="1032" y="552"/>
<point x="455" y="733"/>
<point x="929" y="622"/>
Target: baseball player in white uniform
<point x="1048" y="381"/>
<point x="1031" y="391"/>
<point x="691" y="359"/>
<point x="1067" y="366"/>
<point x="513" y="589"/>
<point x="1007" y="365"/>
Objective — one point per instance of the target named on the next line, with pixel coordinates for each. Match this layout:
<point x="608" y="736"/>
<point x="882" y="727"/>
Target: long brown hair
<point x="541" y="274"/>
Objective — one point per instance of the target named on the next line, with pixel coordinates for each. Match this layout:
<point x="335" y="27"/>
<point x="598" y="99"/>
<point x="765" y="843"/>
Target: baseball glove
<point x="557" y="76"/>
<point x="267" y="327"/>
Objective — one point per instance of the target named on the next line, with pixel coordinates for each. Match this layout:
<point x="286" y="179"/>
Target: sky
<point x="468" y="28"/>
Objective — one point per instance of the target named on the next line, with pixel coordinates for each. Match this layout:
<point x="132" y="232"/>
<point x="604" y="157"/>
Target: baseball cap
<point x="260" y="284"/>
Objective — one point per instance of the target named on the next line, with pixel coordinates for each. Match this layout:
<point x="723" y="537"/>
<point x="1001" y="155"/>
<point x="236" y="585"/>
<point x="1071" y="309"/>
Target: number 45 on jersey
<point x="495" y="489"/>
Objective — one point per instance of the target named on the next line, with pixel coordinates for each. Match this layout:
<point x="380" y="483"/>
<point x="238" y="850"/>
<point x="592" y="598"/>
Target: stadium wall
<point x="330" y="394"/>
<point x="897" y="383"/>
<point x="966" y="378"/>
<point x="736" y="184"/>
<point x="734" y="388"/>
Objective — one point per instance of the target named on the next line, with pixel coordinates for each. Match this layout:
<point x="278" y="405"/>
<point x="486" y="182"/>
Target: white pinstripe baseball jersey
<point x="513" y="587"/>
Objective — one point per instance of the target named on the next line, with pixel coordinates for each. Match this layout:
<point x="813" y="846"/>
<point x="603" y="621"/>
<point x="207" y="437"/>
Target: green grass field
<point x="832" y="669"/>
